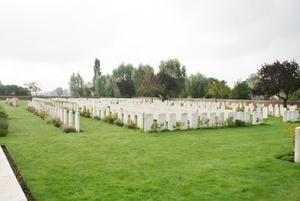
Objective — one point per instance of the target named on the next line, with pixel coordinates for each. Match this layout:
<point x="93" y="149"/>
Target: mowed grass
<point x="106" y="162"/>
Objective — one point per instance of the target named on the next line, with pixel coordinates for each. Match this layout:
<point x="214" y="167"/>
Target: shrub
<point x="43" y="115"/>
<point x="156" y="127"/>
<point x="179" y="124"/>
<point x="86" y="113"/>
<point x="3" y="132"/>
<point x="203" y="122"/>
<point x="4" y="123"/>
<point x="118" y="122"/>
<point x="68" y="129"/>
<point x="292" y="131"/>
<point x="3" y="113"/>
<point x="55" y="121"/>
<point x="96" y="118"/>
<point x="110" y="118"/>
<point x="229" y="122"/>
<point x="240" y="123"/>
<point x="242" y="109"/>
<point x="131" y="125"/>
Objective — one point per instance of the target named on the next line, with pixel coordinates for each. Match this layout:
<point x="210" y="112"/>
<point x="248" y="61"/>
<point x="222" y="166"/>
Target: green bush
<point x="55" y="121"/>
<point x="118" y="122"/>
<point x="4" y="123"/>
<point x="229" y="122"/>
<point x="96" y="118"/>
<point x="86" y="113"/>
<point x="3" y="132"/>
<point x="110" y="118"/>
<point x="44" y="115"/>
<point x="131" y="125"/>
<point x="68" y="129"/>
<point x="240" y="123"/>
<point x="3" y="113"/>
<point x="156" y="127"/>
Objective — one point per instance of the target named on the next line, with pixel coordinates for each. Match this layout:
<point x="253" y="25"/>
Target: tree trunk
<point x="285" y="103"/>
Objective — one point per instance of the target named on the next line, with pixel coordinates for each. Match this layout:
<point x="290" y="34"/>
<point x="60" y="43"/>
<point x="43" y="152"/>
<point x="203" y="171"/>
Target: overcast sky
<point x="46" y="41"/>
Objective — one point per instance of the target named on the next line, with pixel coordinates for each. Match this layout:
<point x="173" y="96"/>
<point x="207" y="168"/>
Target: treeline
<point x="13" y="90"/>
<point x="170" y="82"/>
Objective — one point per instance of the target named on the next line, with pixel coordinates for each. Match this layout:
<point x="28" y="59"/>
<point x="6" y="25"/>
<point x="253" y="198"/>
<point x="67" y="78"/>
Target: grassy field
<point x="107" y="162"/>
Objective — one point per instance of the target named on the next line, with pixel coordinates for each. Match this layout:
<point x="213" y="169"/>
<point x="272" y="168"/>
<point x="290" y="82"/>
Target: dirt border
<point x="18" y="175"/>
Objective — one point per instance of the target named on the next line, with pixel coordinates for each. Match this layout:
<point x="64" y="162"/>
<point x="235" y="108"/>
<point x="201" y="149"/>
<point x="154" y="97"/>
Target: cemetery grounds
<point x="107" y="162"/>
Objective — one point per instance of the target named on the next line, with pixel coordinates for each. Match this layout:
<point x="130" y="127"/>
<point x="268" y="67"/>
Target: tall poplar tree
<point x="97" y="73"/>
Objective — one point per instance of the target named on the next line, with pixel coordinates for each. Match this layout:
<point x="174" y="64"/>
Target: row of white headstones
<point x="144" y="113"/>
<point x="13" y="101"/>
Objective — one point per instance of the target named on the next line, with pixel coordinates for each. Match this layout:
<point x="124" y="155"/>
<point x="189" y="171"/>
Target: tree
<point x="151" y="87"/>
<point x="13" y="90"/>
<point x="97" y="73"/>
<point x="100" y="85"/>
<point x="126" y="88"/>
<point x="279" y="79"/>
<point x="59" y="91"/>
<point x="241" y="90"/>
<point x="76" y="85"/>
<point x="33" y="87"/>
<point x="123" y="72"/>
<point x="167" y="82"/>
<point x="197" y="85"/>
<point x="219" y="89"/>
<point x="252" y="80"/>
<point x="142" y="73"/>
<point x="173" y="68"/>
<point x="88" y="89"/>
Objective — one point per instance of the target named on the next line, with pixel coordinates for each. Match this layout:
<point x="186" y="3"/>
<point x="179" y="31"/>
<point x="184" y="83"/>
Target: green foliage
<point x="123" y="72"/>
<point x="43" y="115"/>
<point x="219" y="89"/>
<point x="55" y="121"/>
<point x="97" y="74"/>
<point x="13" y="90"/>
<point x="240" y="109"/>
<point x="96" y="118"/>
<point x="173" y="68"/>
<point x="76" y="85"/>
<point x="197" y="85"/>
<point x="86" y="113"/>
<point x="229" y="122"/>
<point x="3" y="113"/>
<point x="68" y="129"/>
<point x="241" y="90"/>
<point x="131" y="125"/>
<point x="118" y="122"/>
<point x="178" y="125"/>
<point x="142" y="73"/>
<point x="240" y="123"/>
<point x="203" y="122"/>
<point x="110" y="118"/>
<point x="156" y="127"/>
<point x="151" y="87"/>
<point x="4" y="124"/>
<point x="3" y="132"/>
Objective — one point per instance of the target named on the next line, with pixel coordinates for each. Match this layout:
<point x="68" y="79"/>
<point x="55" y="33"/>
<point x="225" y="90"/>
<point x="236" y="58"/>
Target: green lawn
<point x="106" y="162"/>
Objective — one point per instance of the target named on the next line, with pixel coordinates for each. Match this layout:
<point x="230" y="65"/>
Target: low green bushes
<point x="4" y="124"/>
<point x="55" y="121"/>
